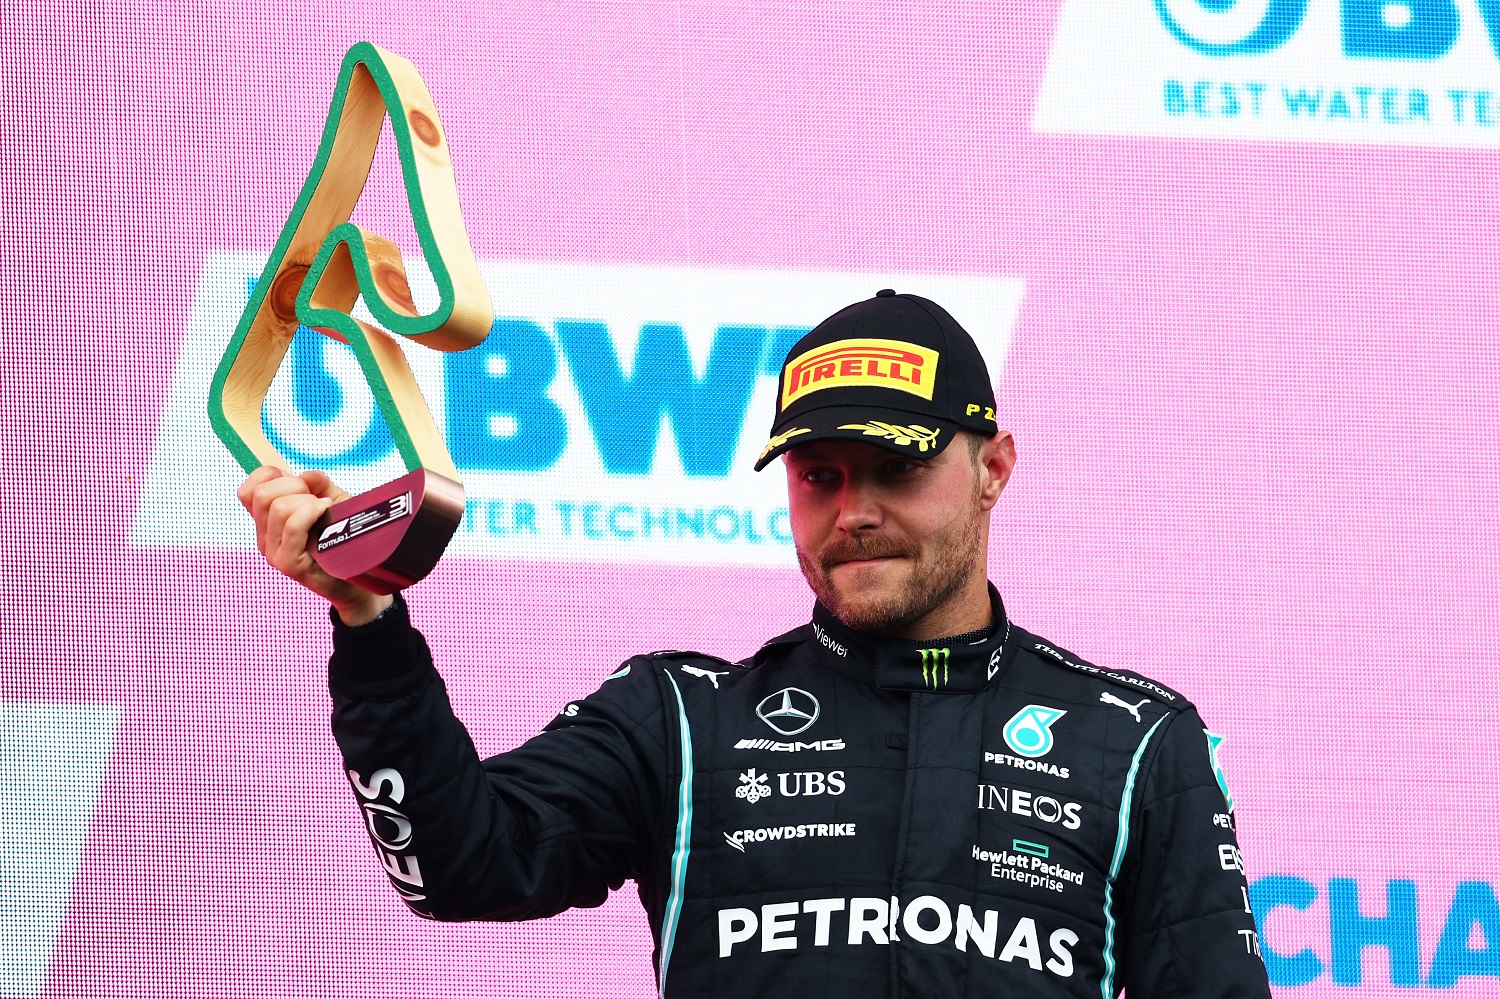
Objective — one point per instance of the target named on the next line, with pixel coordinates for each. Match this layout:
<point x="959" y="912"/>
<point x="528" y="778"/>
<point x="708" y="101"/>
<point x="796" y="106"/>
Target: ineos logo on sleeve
<point x="390" y="830"/>
<point x="789" y="711"/>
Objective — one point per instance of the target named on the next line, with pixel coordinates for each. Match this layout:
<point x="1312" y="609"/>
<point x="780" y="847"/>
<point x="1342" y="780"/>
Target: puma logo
<point x="708" y="673"/>
<point x="1134" y="709"/>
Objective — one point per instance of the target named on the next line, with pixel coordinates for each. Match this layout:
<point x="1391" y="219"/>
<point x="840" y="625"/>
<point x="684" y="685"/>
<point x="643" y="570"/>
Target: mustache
<point x="850" y="549"/>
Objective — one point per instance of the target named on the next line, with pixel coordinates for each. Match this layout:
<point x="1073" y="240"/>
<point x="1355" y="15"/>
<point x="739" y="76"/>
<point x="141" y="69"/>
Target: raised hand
<point x="285" y="507"/>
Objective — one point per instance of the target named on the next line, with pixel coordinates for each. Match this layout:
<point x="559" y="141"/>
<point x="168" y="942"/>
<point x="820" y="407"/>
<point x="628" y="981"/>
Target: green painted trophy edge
<point x="366" y="54"/>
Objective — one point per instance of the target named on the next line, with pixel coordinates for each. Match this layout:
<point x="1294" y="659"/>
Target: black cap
<point x="894" y="370"/>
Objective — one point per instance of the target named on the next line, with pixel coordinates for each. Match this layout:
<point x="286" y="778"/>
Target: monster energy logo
<point x="931" y="660"/>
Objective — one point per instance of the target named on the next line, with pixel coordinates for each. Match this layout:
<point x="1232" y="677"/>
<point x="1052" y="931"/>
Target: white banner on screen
<point x="1340" y="71"/>
<point x="614" y="414"/>
<point x="52" y="758"/>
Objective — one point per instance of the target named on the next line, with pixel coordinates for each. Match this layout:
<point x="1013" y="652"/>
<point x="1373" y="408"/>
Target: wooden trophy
<point x="390" y="536"/>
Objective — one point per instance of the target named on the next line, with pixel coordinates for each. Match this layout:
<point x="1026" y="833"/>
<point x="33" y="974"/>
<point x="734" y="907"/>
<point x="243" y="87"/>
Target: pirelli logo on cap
<point x="892" y="364"/>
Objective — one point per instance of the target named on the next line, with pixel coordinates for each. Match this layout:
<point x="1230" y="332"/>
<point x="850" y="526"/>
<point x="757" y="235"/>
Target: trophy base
<point x="391" y="536"/>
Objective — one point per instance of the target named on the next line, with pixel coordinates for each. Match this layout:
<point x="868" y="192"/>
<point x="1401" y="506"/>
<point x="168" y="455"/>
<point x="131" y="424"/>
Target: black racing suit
<point x="842" y="815"/>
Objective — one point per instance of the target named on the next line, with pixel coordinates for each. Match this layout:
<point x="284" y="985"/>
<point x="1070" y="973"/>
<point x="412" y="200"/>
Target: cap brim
<point x="912" y="434"/>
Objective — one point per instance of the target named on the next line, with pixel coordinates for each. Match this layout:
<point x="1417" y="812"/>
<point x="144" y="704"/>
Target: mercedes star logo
<point x="789" y="711"/>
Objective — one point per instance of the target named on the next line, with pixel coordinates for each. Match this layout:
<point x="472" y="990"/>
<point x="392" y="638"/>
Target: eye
<point x="816" y="476"/>
<point x="900" y="466"/>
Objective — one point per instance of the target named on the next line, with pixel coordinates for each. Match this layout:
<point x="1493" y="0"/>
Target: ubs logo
<point x="810" y="783"/>
<point x="789" y="711"/>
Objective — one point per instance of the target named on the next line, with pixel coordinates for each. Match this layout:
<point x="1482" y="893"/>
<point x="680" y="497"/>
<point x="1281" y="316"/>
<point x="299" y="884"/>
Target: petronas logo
<point x="1029" y="731"/>
<point x="932" y="661"/>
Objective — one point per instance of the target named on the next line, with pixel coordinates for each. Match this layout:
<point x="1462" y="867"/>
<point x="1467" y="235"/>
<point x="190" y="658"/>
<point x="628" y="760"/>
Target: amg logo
<point x="825" y="745"/>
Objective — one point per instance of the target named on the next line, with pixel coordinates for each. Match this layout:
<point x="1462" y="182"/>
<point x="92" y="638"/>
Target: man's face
<point x="886" y="541"/>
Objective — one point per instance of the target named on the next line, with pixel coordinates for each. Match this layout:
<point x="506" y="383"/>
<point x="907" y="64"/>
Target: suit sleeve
<point x="1187" y="931"/>
<point x="558" y="822"/>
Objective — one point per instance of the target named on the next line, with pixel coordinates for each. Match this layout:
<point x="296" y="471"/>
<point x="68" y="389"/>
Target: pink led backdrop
<point x="1252" y="377"/>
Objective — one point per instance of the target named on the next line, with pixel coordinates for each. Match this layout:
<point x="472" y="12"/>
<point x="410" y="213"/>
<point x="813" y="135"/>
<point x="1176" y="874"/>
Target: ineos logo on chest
<point x="789" y="711"/>
<point x="1030" y="804"/>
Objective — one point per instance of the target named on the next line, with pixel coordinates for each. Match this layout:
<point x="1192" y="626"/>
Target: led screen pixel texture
<point x="1249" y="362"/>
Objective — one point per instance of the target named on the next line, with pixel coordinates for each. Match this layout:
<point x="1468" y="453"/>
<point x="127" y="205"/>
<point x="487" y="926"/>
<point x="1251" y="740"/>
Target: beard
<point x="932" y="576"/>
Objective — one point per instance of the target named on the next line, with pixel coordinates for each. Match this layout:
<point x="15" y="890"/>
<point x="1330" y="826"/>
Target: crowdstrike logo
<point x="1418" y="72"/>
<point x="789" y="711"/>
<point x="816" y="830"/>
<point x="652" y="385"/>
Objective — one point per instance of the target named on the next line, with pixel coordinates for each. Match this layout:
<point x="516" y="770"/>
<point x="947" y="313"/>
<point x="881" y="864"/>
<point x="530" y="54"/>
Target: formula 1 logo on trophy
<point x="392" y="535"/>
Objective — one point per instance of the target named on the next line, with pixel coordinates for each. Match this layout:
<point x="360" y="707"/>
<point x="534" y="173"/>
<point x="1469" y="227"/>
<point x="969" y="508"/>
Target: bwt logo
<point x="1390" y="72"/>
<point x="612" y="414"/>
<point x="498" y="413"/>
<point x="1371" y="29"/>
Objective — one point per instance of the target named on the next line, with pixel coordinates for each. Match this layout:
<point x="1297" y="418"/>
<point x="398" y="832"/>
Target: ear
<point x="996" y="459"/>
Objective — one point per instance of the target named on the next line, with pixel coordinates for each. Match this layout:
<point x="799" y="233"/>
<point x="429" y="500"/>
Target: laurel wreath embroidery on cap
<point x="780" y="439"/>
<point x="921" y="436"/>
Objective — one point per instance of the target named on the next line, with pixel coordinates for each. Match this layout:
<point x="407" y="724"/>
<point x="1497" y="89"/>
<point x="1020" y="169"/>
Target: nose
<point x="859" y="511"/>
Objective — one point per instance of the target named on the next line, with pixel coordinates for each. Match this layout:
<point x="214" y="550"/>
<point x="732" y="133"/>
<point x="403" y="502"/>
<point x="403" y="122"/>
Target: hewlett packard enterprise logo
<point x="1419" y="72"/>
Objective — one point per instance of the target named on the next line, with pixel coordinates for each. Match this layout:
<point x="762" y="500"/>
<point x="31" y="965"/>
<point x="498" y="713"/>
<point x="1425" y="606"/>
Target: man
<point x="909" y="796"/>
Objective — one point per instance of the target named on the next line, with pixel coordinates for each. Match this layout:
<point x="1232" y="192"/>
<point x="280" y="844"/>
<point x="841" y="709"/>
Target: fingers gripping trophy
<point x="352" y="548"/>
